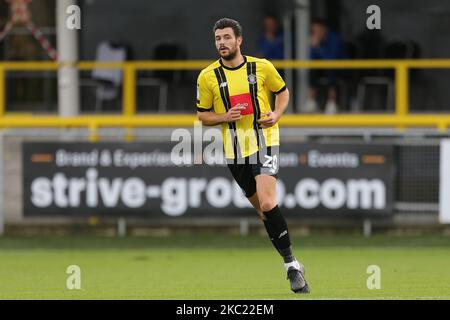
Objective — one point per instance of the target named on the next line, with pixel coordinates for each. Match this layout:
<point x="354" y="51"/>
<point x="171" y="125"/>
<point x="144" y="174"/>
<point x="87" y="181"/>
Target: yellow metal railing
<point x="400" y="119"/>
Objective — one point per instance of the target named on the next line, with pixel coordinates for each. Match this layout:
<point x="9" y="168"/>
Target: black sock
<point x="287" y="255"/>
<point x="277" y="230"/>
<point x="267" y="229"/>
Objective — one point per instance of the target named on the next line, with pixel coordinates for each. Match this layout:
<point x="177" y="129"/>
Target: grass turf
<point x="222" y="267"/>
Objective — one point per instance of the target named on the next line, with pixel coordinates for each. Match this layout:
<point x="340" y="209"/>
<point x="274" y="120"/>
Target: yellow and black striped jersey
<point x="250" y="84"/>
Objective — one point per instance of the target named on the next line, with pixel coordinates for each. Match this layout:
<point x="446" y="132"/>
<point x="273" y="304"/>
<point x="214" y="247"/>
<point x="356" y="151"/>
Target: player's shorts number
<point x="271" y="162"/>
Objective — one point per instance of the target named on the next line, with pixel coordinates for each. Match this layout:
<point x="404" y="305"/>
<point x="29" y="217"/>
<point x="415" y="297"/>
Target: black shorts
<point x="245" y="170"/>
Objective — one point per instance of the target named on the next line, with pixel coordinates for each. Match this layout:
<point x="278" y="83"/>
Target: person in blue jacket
<point x="271" y="43"/>
<point x="326" y="44"/>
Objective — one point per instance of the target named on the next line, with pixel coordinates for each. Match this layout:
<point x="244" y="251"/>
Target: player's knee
<point x="267" y="205"/>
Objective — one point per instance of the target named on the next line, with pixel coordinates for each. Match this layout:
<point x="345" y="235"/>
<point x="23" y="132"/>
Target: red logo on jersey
<point x="243" y="100"/>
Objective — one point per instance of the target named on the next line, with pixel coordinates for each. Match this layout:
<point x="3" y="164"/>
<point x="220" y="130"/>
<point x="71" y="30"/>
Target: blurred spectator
<point x="270" y="45"/>
<point x="325" y="45"/>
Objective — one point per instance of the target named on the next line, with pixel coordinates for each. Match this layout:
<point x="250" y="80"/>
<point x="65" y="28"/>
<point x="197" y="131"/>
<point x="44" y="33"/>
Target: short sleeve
<point x="274" y="82"/>
<point x="204" y="94"/>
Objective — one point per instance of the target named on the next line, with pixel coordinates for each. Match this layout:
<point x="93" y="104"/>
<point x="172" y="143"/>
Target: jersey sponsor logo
<point x="198" y="92"/>
<point x="223" y="84"/>
<point x="251" y="78"/>
<point x="244" y="100"/>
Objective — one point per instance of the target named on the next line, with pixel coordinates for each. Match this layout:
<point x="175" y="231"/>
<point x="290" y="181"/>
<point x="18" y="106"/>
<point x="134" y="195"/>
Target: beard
<point x="230" y="56"/>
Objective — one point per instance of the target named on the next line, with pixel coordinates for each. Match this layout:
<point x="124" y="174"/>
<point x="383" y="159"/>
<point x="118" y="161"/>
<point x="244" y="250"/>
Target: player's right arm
<point x="212" y="119"/>
<point x="205" y="110"/>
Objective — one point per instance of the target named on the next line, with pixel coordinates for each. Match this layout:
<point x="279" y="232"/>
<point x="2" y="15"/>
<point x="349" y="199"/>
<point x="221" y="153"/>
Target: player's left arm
<point x="281" y="103"/>
<point x="276" y="84"/>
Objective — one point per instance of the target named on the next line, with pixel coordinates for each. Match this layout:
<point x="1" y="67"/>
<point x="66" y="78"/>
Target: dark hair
<point x="320" y="21"/>
<point x="271" y="15"/>
<point x="228" y="23"/>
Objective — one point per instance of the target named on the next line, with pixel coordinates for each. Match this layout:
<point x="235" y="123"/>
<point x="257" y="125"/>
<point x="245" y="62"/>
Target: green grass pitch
<point x="222" y="267"/>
